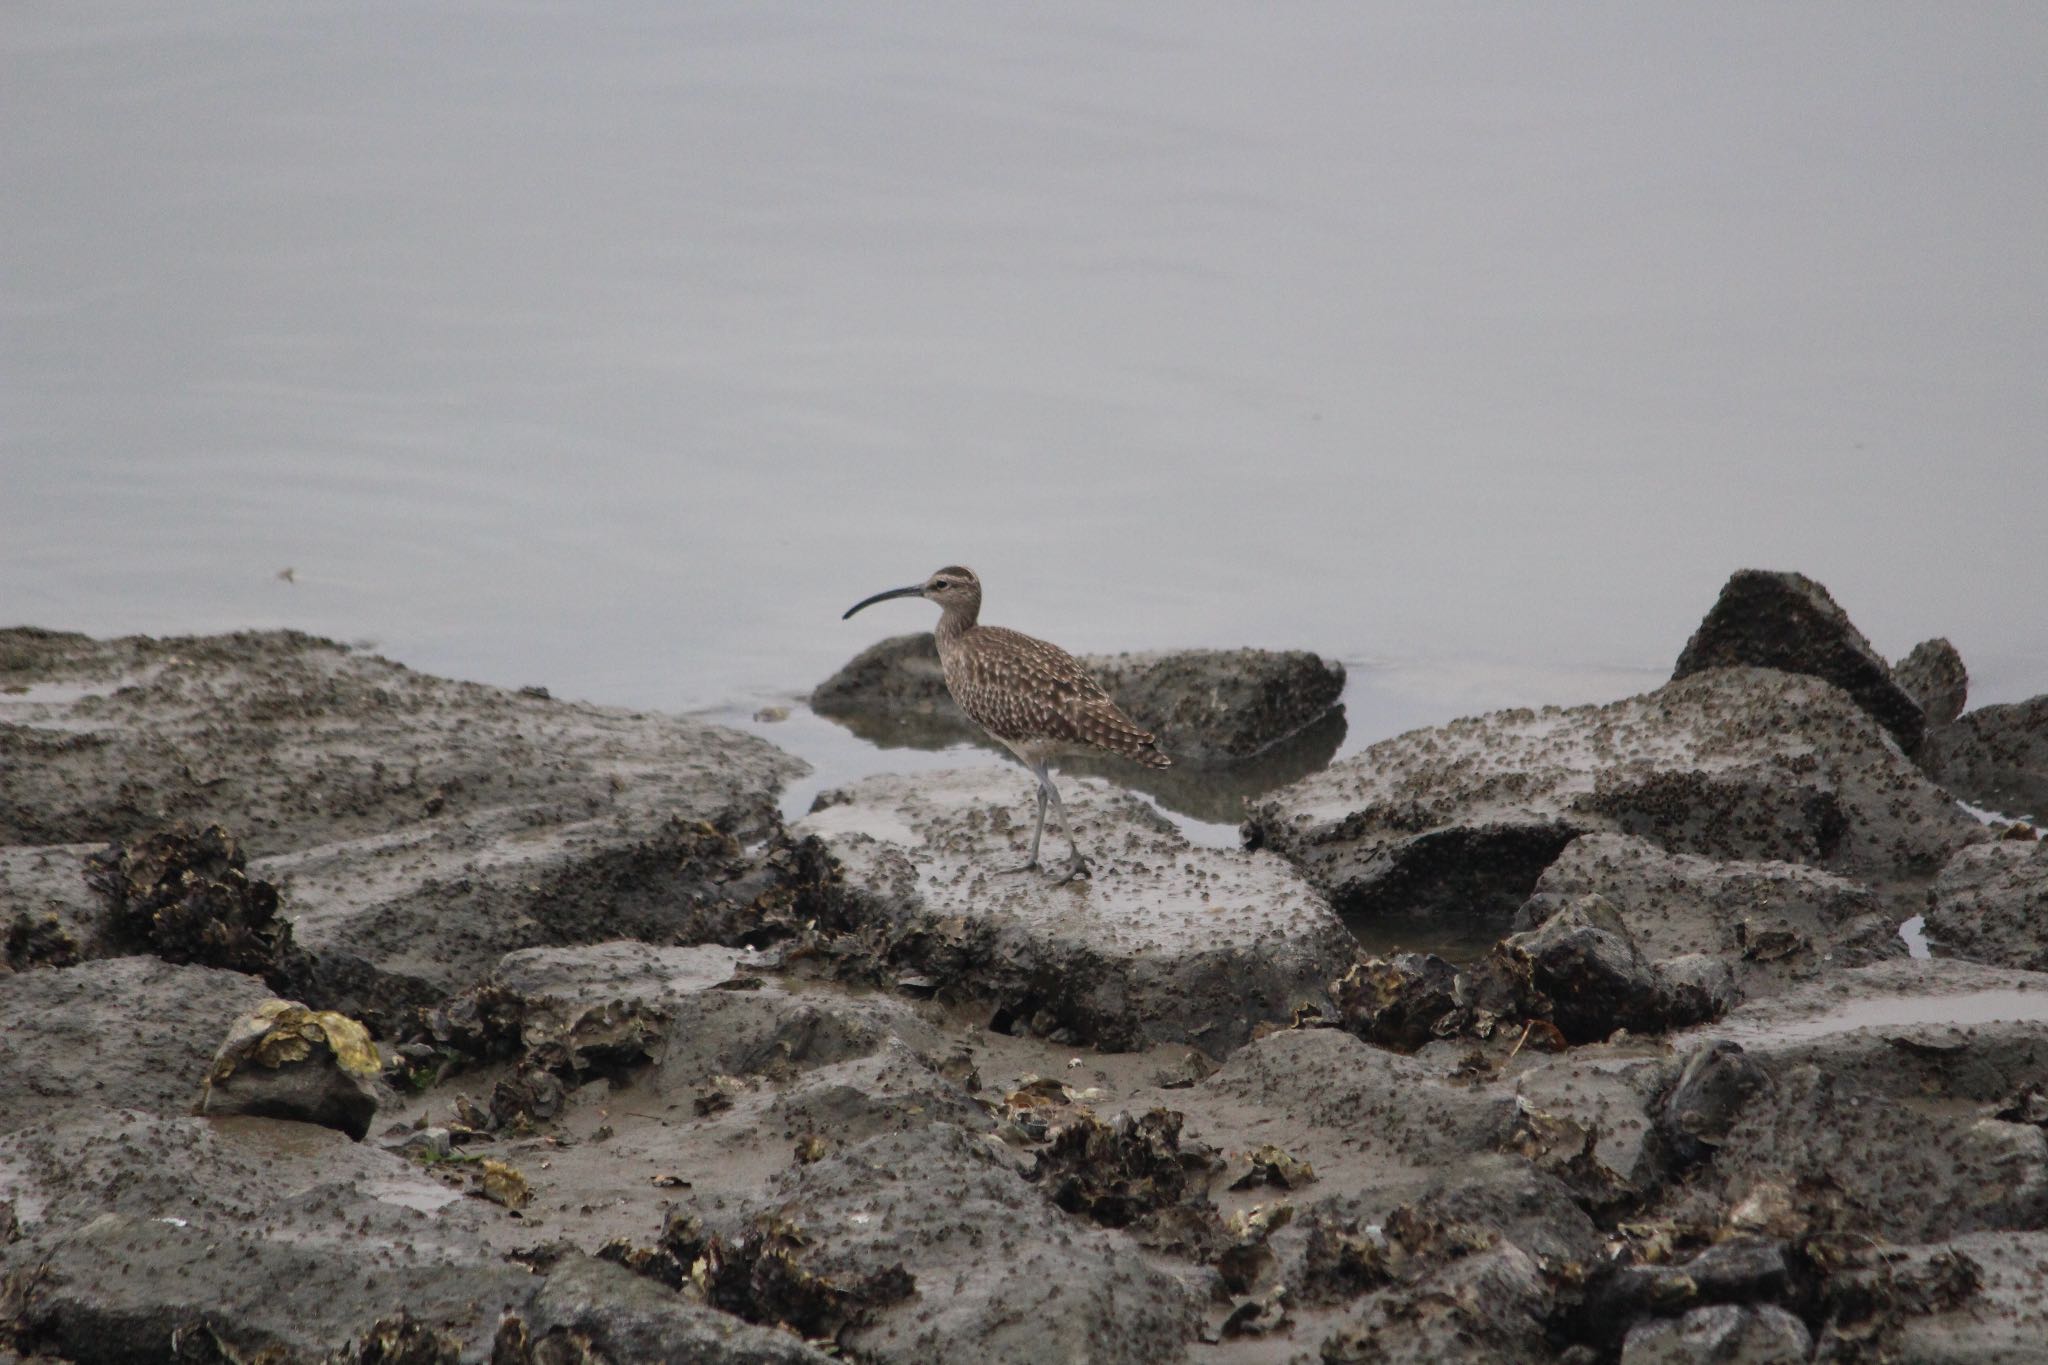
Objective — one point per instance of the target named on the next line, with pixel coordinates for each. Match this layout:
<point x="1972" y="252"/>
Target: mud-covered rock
<point x="49" y="915"/>
<point x="1221" y="705"/>
<point x="1487" y="1306"/>
<point x="1766" y="918"/>
<point x="417" y="828"/>
<point x="1705" y="1098"/>
<point x="1725" y="1334"/>
<point x="1997" y="757"/>
<point x="284" y="1061"/>
<point x="1933" y="675"/>
<point x="1165" y="942"/>
<point x="1787" y="621"/>
<point x="1207" y="706"/>
<point x="1335" y="1101"/>
<point x="1866" y="1072"/>
<point x="610" y="1315"/>
<point x="1969" y="1300"/>
<point x="1001" y="1274"/>
<point x="1749" y="764"/>
<point x="1990" y="904"/>
<point x="1595" y="979"/>
<point x="125" y="1032"/>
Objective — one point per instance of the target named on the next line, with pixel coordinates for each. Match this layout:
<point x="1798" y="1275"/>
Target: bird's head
<point x="955" y="589"/>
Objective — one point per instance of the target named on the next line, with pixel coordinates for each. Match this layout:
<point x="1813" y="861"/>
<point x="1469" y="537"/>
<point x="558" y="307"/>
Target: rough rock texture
<point x="1787" y="621"/>
<point x="282" y="1060"/>
<point x="1207" y="706"/>
<point x="1166" y="942"/>
<point x="1990" y="904"/>
<point x="1933" y="675"/>
<point x="1996" y="756"/>
<point x="419" y="828"/>
<point x="124" y="1032"/>
<point x="1866" y="1071"/>
<point x="1767" y="919"/>
<point x="1725" y="1334"/>
<point x="2004" y="1320"/>
<point x="852" y="1084"/>
<point x="1000" y="1275"/>
<point x="1742" y="763"/>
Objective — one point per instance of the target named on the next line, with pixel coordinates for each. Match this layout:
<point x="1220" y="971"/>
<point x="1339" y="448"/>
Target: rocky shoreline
<point x="589" y="1056"/>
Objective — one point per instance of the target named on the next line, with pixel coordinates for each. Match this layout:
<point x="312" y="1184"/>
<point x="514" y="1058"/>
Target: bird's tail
<point x="1150" y="755"/>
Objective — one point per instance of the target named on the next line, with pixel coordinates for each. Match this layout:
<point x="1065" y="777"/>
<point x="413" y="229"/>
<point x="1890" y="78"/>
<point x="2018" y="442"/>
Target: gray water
<point x="619" y="349"/>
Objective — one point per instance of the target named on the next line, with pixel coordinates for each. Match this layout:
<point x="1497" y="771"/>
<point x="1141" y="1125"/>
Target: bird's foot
<point x="1031" y="866"/>
<point x="1078" y="868"/>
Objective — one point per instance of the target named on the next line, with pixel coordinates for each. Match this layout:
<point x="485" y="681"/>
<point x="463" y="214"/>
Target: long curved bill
<point x="914" y="590"/>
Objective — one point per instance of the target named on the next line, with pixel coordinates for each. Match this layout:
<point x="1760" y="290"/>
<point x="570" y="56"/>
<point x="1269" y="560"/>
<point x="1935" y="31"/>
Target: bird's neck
<point x="956" y="622"/>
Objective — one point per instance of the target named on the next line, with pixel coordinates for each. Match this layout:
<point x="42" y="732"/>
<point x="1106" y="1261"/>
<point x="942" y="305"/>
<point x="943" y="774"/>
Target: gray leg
<point x="1078" y="867"/>
<point x="1037" y="830"/>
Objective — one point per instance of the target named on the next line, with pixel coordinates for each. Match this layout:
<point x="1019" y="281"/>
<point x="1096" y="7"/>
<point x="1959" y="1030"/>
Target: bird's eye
<point x="940" y="585"/>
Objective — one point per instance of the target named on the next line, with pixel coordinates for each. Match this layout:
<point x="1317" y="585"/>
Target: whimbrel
<point x="1033" y="696"/>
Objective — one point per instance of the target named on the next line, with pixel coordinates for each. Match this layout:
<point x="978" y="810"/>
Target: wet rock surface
<point x="1207" y="706"/>
<point x="1787" y="621"/>
<point x="1996" y="757"/>
<point x="661" y="1080"/>
<point x="1990" y="904"/>
<point x="1740" y="763"/>
<point x="125" y="1032"/>
<point x="1164" y="942"/>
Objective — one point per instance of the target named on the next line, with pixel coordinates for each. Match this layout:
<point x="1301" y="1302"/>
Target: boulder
<point x="417" y="828"/>
<point x="1166" y="942"/>
<point x="1597" y="980"/>
<point x="1993" y="1309"/>
<point x="1789" y="622"/>
<point x="1765" y="918"/>
<point x="282" y="1060"/>
<point x="1722" y="1334"/>
<point x="1996" y="757"/>
<point x="1847" y="1085"/>
<point x="994" y="1271"/>
<point x="1990" y="904"/>
<point x="1933" y="675"/>
<point x="1744" y="763"/>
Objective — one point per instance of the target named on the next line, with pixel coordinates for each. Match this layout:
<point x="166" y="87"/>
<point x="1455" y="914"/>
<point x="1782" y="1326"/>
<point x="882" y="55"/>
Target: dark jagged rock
<point x="1207" y="706"/>
<point x="1933" y="675"/>
<point x="1996" y="756"/>
<point x="1706" y="1098"/>
<point x="1596" y="980"/>
<point x="1789" y="622"/>
<point x="186" y="895"/>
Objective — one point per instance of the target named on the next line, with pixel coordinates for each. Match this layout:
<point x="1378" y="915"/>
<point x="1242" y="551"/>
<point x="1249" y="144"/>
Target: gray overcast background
<point x="620" y="348"/>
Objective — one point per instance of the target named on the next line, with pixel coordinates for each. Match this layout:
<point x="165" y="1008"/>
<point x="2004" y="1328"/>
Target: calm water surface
<point x="1472" y="345"/>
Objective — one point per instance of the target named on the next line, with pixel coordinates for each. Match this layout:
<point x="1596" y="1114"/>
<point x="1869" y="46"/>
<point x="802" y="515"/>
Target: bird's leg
<point x="1079" y="866"/>
<point x="1037" y="832"/>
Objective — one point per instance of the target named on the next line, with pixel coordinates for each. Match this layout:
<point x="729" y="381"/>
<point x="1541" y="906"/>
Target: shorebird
<point x="1033" y="696"/>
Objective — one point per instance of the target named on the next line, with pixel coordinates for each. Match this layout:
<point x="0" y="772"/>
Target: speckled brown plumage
<point x="1033" y="696"/>
<point x="1029" y="693"/>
